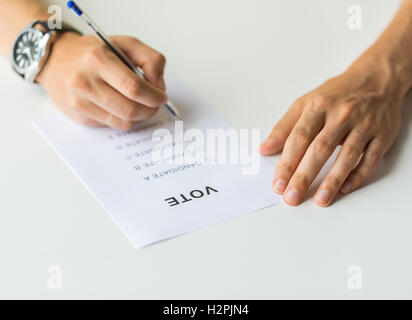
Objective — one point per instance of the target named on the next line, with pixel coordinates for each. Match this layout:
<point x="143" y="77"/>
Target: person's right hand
<point x="92" y="86"/>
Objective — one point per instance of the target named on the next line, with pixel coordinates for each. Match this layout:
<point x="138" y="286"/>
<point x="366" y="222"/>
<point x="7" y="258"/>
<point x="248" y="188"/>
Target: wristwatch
<point x="31" y="49"/>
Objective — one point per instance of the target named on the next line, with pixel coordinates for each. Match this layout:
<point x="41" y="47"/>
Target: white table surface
<point x="248" y="60"/>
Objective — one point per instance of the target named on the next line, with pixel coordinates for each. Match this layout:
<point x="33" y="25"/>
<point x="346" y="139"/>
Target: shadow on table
<point x="389" y="162"/>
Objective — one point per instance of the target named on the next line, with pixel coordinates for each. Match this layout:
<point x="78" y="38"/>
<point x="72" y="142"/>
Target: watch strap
<point x="46" y="30"/>
<point x="45" y="25"/>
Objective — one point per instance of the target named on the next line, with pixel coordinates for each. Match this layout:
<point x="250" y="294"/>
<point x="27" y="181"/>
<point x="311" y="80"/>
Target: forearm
<point x="15" y="15"/>
<point x="393" y="49"/>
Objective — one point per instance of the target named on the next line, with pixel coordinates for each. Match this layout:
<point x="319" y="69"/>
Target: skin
<point x="97" y="88"/>
<point x="359" y="110"/>
<point x="85" y="79"/>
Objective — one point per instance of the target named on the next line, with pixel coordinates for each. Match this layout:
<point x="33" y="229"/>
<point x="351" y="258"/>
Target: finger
<point x="345" y="162"/>
<point x="88" y="122"/>
<point x="113" y="102"/>
<point x="276" y="140"/>
<point x="306" y="129"/>
<point x="374" y="152"/>
<point x="88" y="109"/>
<point x="124" y="80"/>
<point x="151" y="61"/>
<point x="314" y="159"/>
<point x="79" y="118"/>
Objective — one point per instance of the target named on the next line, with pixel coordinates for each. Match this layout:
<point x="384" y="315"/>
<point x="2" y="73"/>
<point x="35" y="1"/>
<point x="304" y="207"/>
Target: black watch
<point x="32" y="47"/>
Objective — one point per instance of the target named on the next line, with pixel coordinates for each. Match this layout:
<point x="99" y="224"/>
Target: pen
<point x="117" y="51"/>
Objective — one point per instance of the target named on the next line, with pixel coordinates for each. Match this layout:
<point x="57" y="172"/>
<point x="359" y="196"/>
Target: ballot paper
<point x="152" y="199"/>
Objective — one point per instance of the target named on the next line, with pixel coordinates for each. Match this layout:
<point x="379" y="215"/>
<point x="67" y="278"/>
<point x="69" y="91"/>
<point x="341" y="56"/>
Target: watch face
<point x="27" y="50"/>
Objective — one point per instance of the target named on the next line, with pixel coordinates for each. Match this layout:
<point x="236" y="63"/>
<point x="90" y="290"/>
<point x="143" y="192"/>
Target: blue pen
<point x="116" y="50"/>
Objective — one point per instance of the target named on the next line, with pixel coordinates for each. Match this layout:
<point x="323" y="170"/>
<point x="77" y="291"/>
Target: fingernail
<point x="292" y="196"/>
<point x="347" y="186"/>
<point x="279" y="186"/>
<point x="323" y="196"/>
<point x="165" y="100"/>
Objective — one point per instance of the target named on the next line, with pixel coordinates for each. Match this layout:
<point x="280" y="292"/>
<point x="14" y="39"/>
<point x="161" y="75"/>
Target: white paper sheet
<point x="119" y="171"/>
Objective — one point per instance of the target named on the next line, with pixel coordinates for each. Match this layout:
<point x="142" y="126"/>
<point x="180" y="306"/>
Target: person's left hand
<point x="361" y="109"/>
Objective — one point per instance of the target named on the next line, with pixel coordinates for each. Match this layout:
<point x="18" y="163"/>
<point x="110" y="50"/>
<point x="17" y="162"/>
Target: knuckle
<point x="76" y="104"/>
<point x="358" y="178"/>
<point x="149" y="113"/>
<point x="156" y="104"/>
<point x="279" y="134"/>
<point x="127" y="125"/>
<point x="94" y="55"/>
<point x="334" y="182"/>
<point x="159" y="58"/>
<point x="88" y="122"/>
<point x="320" y="102"/>
<point x="130" y="113"/>
<point x="79" y="82"/>
<point x="302" y="179"/>
<point x="285" y="168"/>
<point x="360" y="132"/>
<point x="300" y="136"/>
<point x="299" y="104"/>
<point x="352" y="153"/>
<point x="348" y="106"/>
<point x="322" y="145"/>
<point x="120" y="124"/>
<point x="346" y="110"/>
<point x="367" y="122"/>
<point x="381" y="140"/>
<point x="132" y="87"/>
<point x="374" y="158"/>
<point x="106" y="101"/>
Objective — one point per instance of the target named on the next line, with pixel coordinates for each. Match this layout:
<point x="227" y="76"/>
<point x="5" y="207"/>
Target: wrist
<point x="397" y="61"/>
<point x="58" y="47"/>
<point x="391" y="55"/>
<point x="384" y="68"/>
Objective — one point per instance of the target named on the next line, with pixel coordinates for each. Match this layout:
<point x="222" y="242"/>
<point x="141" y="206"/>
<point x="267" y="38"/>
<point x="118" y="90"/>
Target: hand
<point x="92" y="86"/>
<point x="360" y="110"/>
